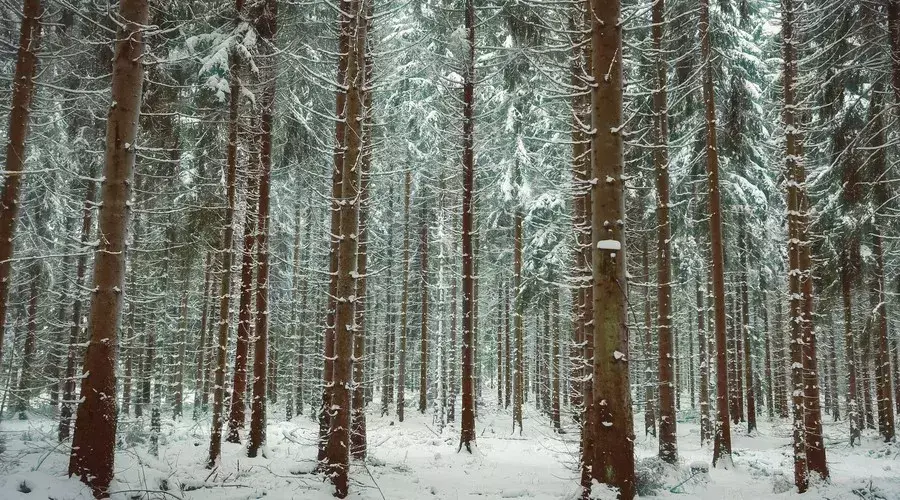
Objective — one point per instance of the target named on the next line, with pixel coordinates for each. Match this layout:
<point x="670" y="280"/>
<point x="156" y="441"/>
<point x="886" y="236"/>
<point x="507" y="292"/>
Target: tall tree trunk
<point x="507" y="348"/>
<point x="266" y="27"/>
<point x="93" y="443"/>
<point x="423" y="351"/>
<point x="764" y="318"/>
<point x="451" y="358"/>
<point x="668" y="446"/>
<point x="613" y="462"/>
<point x="28" y="351"/>
<point x="340" y="126"/>
<point x="722" y="448"/>
<point x="234" y="65"/>
<point x="746" y="335"/>
<point x="518" y="313"/>
<point x="178" y="404"/>
<point x="237" y="415"/>
<point x="499" y="334"/>
<point x="199" y="371"/>
<point x="20" y="110"/>
<point x="467" y="434"/>
<point x="338" y="436"/>
<point x="358" y="445"/>
<point x="404" y="303"/>
<point x="649" y="380"/>
<point x="555" y="366"/>
<point x="706" y="426"/>
<point x="387" y="377"/>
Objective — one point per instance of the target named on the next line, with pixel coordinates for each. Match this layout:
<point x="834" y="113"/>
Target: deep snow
<point x="413" y="460"/>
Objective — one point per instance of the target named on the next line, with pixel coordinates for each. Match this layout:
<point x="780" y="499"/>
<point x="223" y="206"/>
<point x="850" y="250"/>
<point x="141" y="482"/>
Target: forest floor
<point x="414" y="460"/>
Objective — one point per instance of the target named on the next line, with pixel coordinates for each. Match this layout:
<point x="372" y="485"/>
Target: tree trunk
<point x="451" y="358"/>
<point x="178" y="404"/>
<point x="649" y="380"/>
<point x="215" y="446"/>
<point x="340" y="126"/>
<point x="613" y="462"/>
<point x="518" y="312"/>
<point x="28" y="351"/>
<point x="387" y="380"/>
<point x="358" y="445"/>
<point x="22" y="95"/>
<point x="499" y="334"/>
<point x="423" y="352"/>
<point x="237" y="415"/>
<point x="467" y="434"/>
<point x="746" y="335"/>
<point x="706" y="427"/>
<point x="338" y="436"/>
<point x="722" y="448"/>
<point x="199" y="372"/>
<point x="93" y="444"/>
<point x="668" y="447"/>
<point x="266" y="27"/>
<point x="404" y="303"/>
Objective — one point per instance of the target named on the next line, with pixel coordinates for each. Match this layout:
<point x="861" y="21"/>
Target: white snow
<point x="614" y="245"/>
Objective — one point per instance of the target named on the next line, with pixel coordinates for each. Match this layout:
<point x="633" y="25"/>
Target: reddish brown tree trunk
<point x="338" y="437"/>
<point x="340" y="126"/>
<point x="467" y="434"/>
<point x="95" y="428"/>
<point x="613" y="460"/>
<point x="237" y="415"/>
<point x="722" y="447"/>
<point x="28" y="351"/>
<point x="200" y="375"/>
<point x="22" y="95"/>
<point x="266" y="27"/>
<point x="358" y="445"/>
<point x="423" y="351"/>
<point x="404" y="304"/>
<point x="668" y="447"/>
<point x="215" y="446"/>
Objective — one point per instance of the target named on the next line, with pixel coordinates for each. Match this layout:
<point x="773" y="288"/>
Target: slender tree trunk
<point x="423" y="352"/>
<point x="746" y="335"/>
<point x="266" y="27"/>
<point x="338" y="436"/>
<point x="613" y="462"/>
<point x="237" y="415"/>
<point x="764" y="318"/>
<point x="215" y="447"/>
<point x="358" y="445"/>
<point x="518" y="312"/>
<point x="499" y="333"/>
<point x="404" y="303"/>
<point x="467" y="434"/>
<point x="649" y="380"/>
<point x="199" y="371"/>
<point x="507" y="331"/>
<point x="178" y="404"/>
<point x="668" y="447"/>
<point x="387" y="380"/>
<point x="706" y="426"/>
<point x="20" y="110"/>
<point x="452" y="360"/>
<point x="555" y="366"/>
<point x="722" y="448"/>
<point x="93" y="443"/>
<point x="28" y="351"/>
<point x="336" y="194"/>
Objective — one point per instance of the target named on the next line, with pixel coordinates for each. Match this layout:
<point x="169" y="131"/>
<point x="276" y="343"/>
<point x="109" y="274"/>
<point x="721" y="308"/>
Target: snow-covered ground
<point x="414" y="460"/>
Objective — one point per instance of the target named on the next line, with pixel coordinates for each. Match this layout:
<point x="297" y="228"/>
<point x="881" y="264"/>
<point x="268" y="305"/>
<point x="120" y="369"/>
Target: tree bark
<point x="338" y="436"/>
<point x="404" y="303"/>
<point x="20" y="110"/>
<point x="234" y="65"/>
<point x="266" y="27"/>
<point x="722" y="447"/>
<point x="613" y="462"/>
<point x="423" y="351"/>
<point x="93" y="443"/>
<point x="668" y="447"/>
<point x="467" y="433"/>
